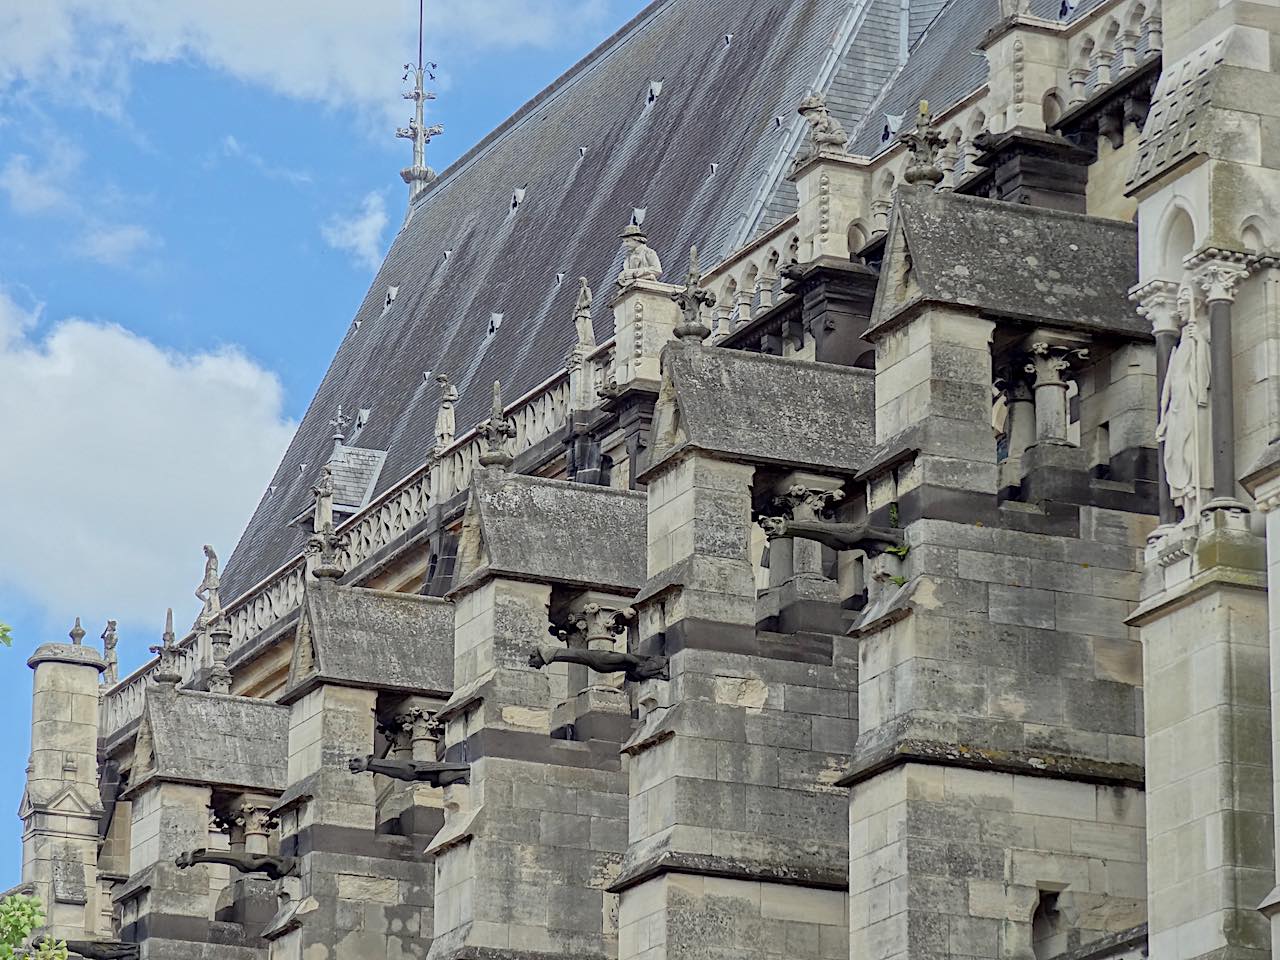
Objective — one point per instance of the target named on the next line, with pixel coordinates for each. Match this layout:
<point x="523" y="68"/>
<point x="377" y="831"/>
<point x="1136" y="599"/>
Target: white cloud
<point x="334" y="51"/>
<point x="361" y="233"/>
<point x="115" y="245"/>
<point x="120" y="460"/>
<point x="34" y="189"/>
<point x="232" y="147"/>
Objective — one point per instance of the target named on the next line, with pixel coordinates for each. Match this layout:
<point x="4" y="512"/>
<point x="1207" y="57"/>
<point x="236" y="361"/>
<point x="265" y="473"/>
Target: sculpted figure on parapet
<point x="207" y="592"/>
<point x="826" y="134"/>
<point x="641" y="262"/>
<point x="1184" y="404"/>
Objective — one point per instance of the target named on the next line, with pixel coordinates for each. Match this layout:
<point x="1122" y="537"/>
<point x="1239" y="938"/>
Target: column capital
<point x="1157" y="301"/>
<point x="1218" y="272"/>
<point x="1050" y="361"/>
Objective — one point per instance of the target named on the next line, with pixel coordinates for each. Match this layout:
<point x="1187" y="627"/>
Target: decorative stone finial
<point x="826" y="135"/>
<point x="496" y="431"/>
<point x="924" y="144"/>
<point x="77" y="633"/>
<point x="691" y="300"/>
<point x="582" y="315"/>
<point x="109" y="641"/>
<point x="220" y="646"/>
<point x="168" y="673"/>
<point x="641" y="262"/>
<point x="339" y="424"/>
<point x="322" y="553"/>
<point x="207" y="592"/>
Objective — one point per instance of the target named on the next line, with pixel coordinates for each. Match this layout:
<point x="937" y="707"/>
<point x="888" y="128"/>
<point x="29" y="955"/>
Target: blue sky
<point x="193" y="200"/>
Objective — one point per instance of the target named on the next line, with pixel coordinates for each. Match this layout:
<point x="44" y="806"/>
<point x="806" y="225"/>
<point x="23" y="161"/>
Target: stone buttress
<point x="996" y="806"/>
<point x="531" y="844"/>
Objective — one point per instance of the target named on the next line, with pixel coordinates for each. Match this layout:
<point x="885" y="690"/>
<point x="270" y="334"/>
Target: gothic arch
<point x="1177" y="238"/>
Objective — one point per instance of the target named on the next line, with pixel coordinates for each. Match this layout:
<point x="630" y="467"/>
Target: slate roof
<point x="943" y="66"/>
<point x="717" y="104"/>
<point x="728" y="403"/>
<point x="1012" y="260"/>
<point x="561" y="532"/>
<point x="376" y="639"/>
<point x="219" y="740"/>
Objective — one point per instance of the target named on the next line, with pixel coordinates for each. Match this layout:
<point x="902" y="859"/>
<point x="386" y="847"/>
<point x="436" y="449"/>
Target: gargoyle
<point x="273" y="867"/>
<point x="837" y="536"/>
<point x="414" y="771"/>
<point x="102" y="950"/>
<point x="636" y="668"/>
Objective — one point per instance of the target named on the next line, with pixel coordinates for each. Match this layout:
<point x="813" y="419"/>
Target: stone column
<point x="1158" y="301"/>
<point x="1020" y="423"/>
<point x="1050" y="363"/>
<point x="806" y="598"/>
<point x="256" y="821"/>
<point x="1218" y="278"/>
<point x="1078" y="78"/>
<point x="60" y="807"/>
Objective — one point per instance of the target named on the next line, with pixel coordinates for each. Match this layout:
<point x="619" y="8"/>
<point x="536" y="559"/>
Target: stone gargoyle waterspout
<point x="272" y="867"/>
<point x="414" y="771"/>
<point x="838" y="536"/>
<point x="102" y="950"/>
<point x="636" y="668"/>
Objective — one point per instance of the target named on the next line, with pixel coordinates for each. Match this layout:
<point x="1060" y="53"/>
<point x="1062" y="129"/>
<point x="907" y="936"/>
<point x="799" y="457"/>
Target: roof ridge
<point x="546" y="94"/>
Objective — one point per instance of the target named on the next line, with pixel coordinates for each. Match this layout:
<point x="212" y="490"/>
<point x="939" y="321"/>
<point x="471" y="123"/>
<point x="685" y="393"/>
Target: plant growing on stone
<point x="19" y="915"/>
<point x="6" y="637"/>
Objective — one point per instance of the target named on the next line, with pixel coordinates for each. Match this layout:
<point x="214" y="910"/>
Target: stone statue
<point x="207" y="592"/>
<point x="109" y="641"/>
<point x="582" y="315"/>
<point x="102" y="950"/>
<point x="826" y="135"/>
<point x="414" y="771"/>
<point x="272" y="867"/>
<point x="1184" y="397"/>
<point x="445" y="425"/>
<point x="641" y="262"/>
<point x="635" y="668"/>
<point x="838" y="536"/>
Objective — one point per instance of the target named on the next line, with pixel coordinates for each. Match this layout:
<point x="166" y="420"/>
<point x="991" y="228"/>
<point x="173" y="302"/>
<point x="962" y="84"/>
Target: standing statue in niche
<point x="1183" y="406"/>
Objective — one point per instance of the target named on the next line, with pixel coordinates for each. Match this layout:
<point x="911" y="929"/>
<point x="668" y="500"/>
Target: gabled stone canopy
<point x="729" y="403"/>
<point x="187" y="736"/>
<point x="1009" y="261"/>
<point x="372" y="639"/>
<point x="552" y="531"/>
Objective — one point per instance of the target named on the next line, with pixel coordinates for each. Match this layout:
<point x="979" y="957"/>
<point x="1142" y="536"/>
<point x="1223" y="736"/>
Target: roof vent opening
<point x="1067" y="8"/>
<point x="713" y="168"/>
<point x="582" y="152"/>
<point x="655" y="91"/>
<point x="728" y="39"/>
<point x="892" y="124"/>
<point x="637" y="216"/>
<point x="517" y="198"/>
<point x="302" y="469"/>
<point x="777" y="122"/>
<point x="447" y="255"/>
<point x="389" y="299"/>
<point x="559" y="279"/>
<point x="495" y="321"/>
<point x="362" y="419"/>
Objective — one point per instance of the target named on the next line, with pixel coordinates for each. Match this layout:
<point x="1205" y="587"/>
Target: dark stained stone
<point x="729" y="403"/>
<point x="1009" y="261"/>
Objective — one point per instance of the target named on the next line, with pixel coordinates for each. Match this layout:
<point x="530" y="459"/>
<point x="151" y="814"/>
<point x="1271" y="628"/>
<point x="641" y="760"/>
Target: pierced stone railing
<point x="537" y="415"/>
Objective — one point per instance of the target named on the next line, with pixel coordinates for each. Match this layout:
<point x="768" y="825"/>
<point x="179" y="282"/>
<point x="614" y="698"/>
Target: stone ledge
<point x="1024" y="763"/>
<point x="705" y="865"/>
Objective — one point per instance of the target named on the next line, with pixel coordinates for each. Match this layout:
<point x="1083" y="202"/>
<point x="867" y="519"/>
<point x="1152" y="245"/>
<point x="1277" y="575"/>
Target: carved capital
<point x="1219" y="278"/>
<point x="254" y="817"/>
<point x="594" y="622"/>
<point x="1157" y="301"/>
<point x="1051" y="362"/>
<point x="805" y="502"/>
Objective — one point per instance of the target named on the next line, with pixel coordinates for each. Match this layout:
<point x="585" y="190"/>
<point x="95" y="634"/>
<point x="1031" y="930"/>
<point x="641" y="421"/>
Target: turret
<point x="60" y="808"/>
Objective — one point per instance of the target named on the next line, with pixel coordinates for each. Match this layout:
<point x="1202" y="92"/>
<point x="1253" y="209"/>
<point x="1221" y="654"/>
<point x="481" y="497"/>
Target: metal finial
<point x="924" y="143"/>
<point x="77" y="633"/>
<point x="691" y="299"/>
<point x="419" y="176"/>
<point x="496" y="431"/>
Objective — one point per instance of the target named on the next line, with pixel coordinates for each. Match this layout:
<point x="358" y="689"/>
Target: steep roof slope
<point x="717" y="104"/>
